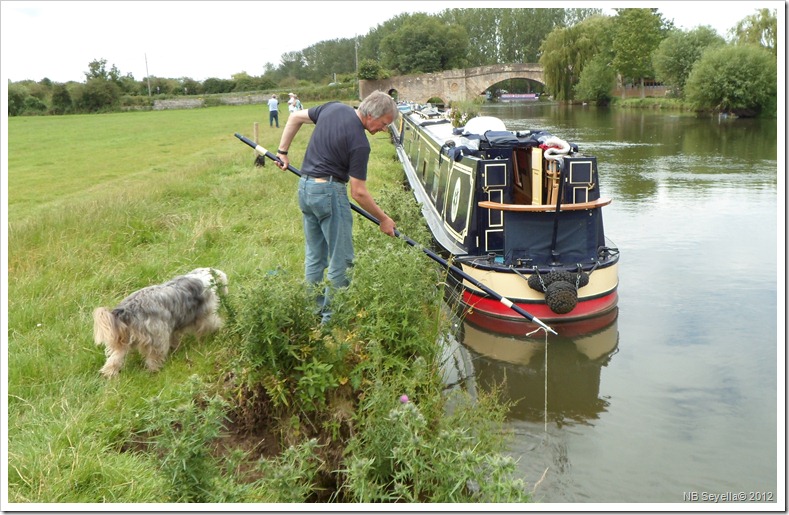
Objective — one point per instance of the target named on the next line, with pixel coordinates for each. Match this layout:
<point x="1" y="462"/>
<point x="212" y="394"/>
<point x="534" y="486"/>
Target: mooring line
<point x="545" y="395"/>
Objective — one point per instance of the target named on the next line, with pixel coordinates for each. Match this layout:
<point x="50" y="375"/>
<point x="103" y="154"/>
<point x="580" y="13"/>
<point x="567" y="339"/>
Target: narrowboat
<point x="518" y="96"/>
<point x="520" y="211"/>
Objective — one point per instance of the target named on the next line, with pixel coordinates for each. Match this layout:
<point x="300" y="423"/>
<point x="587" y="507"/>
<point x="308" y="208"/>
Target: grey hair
<point x="378" y="104"/>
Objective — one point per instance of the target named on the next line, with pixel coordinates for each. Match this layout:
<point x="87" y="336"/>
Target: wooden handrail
<point x="486" y="204"/>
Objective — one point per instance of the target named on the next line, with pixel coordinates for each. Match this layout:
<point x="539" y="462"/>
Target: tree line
<point x="584" y="53"/>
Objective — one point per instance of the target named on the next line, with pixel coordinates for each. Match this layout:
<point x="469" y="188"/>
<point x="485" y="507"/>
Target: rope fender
<point x="560" y="288"/>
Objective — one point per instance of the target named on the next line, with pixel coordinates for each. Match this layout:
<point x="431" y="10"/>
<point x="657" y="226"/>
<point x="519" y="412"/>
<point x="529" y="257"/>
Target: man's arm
<point x="362" y="197"/>
<point x="295" y="121"/>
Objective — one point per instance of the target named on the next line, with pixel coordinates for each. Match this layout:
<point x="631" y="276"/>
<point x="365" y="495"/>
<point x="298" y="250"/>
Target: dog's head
<point x="211" y="277"/>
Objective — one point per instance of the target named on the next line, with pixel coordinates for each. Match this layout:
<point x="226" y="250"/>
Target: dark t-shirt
<point x="338" y="145"/>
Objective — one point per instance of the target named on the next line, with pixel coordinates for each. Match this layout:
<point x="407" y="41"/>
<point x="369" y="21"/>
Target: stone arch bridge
<point x="451" y="85"/>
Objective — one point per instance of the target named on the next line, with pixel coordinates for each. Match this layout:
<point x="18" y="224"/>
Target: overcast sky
<point x="202" y="39"/>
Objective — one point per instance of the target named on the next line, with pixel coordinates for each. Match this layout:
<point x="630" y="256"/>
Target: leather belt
<point x="324" y="178"/>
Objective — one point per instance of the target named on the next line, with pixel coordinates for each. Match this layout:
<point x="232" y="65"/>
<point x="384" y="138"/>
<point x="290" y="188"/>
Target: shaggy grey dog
<point x="153" y="319"/>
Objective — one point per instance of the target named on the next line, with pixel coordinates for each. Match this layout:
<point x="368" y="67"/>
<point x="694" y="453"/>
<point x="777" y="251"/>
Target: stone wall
<point x="191" y="102"/>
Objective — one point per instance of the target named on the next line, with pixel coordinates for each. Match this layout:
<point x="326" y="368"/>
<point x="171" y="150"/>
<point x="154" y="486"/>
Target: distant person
<point x="292" y="102"/>
<point x="273" y="111"/>
<point x="338" y="152"/>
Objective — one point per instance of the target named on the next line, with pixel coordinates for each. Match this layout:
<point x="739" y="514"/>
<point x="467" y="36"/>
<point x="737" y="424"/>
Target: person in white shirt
<point x="273" y="111"/>
<point x="294" y="104"/>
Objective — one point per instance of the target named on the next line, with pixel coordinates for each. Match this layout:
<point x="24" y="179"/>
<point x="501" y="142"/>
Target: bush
<point x="34" y="106"/>
<point x="739" y="79"/>
<point x="596" y="82"/>
<point x="61" y="100"/>
<point x="675" y="56"/>
<point x="181" y="431"/>
<point x="98" y="96"/>
<point x="16" y="100"/>
<point x="370" y="69"/>
<point x="412" y="452"/>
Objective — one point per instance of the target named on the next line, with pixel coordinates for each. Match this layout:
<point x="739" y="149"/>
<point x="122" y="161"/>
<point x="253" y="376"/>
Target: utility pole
<point x="147" y="75"/>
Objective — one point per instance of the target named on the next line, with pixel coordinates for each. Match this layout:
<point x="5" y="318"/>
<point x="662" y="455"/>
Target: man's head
<point x="377" y="111"/>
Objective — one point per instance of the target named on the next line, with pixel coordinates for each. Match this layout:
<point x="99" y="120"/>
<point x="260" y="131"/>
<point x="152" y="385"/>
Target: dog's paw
<point x="109" y="372"/>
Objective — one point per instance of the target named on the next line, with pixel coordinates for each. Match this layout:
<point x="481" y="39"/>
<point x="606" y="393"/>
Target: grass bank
<point x="272" y="408"/>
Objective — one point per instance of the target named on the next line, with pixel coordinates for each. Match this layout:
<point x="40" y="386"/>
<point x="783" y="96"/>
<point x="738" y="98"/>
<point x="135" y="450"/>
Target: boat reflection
<point x="516" y="365"/>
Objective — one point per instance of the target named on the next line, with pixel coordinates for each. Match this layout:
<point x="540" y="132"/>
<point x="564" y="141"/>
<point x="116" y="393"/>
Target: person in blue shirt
<point x="273" y="111"/>
<point x="337" y="154"/>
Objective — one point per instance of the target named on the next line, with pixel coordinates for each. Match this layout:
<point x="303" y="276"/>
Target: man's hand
<point x="388" y="226"/>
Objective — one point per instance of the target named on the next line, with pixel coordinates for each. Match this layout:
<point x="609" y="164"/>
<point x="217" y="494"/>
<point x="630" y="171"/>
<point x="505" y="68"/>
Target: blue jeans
<point x="328" y="235"/>
<point x="273" y="116"/>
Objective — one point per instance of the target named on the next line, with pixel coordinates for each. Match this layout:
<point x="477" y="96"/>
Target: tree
<point x="675" y="56"/>
<point x="758" y="29"/>
<point x="521" y="31"/>
<point x="567" y="50"/>
<point x="370" y="45"/>
<point x="61" y="100"/>
<point x="128" y="85"/>
<point x="423" y="44"/>
<point x="292" y="64"/>
<point x="596" y="82"/>
<point x="16" y="99"/>
<point x="483" y="38"/>
<point x="244" y="82"/>
<point x="326" y="58"/>
<point x="739" y="79"/>
<point x="214" y="85"/>
<point x="34" y="106"/>
<point x="190" y="86"/>
<point x="98" y="96"/>
<point x="97" y="70"/>
<point x="509" y="35"/>
<point x="370" y="69"/>
<point x="638" y="32"/>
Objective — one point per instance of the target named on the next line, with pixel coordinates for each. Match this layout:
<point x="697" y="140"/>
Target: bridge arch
<point x="452" y="85"/>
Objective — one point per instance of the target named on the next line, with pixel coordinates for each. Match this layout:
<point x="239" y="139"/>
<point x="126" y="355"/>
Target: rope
<point x="545" y="395"/>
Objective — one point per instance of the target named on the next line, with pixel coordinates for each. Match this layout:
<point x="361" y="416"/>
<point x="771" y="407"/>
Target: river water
<point x="677" y="400"/>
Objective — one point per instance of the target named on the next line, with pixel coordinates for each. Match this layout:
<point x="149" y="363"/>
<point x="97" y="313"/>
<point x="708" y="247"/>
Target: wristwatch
<point x="283" y="152"/>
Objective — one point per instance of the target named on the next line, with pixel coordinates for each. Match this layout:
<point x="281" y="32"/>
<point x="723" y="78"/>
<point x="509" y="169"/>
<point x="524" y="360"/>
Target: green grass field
<point x="102" y="205"/>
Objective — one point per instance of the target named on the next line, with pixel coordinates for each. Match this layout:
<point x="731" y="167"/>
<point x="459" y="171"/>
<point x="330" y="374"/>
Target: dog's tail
<point x="108" y="329"/>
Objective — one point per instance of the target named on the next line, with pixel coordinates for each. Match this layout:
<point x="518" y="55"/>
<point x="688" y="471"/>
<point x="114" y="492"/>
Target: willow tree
<point x="566" y="51"/>
<point x="597" y="78"/>
<point x="758" y="29"/>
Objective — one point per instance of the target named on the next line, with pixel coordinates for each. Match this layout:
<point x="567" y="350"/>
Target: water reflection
<point x="517" y="366"/>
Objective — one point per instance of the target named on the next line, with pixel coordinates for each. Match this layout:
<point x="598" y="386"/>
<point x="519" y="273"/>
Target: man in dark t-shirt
<point x="337" y="153"/>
